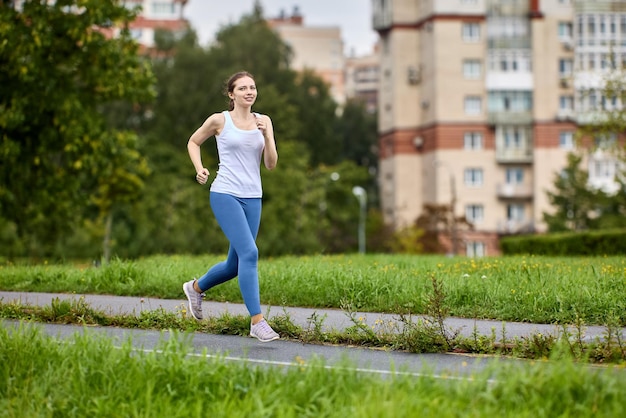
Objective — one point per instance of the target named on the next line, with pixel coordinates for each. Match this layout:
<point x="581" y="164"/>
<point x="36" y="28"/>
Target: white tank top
<point x="239" y="152"/>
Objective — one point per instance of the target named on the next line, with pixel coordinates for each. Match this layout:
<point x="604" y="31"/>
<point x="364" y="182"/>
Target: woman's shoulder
<point x="217" y="118"/>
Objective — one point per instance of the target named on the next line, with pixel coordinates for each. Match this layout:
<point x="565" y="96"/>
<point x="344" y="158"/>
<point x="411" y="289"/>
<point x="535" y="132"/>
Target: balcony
<point x="515" y="226"/>
<point x="510" y="118"/>
<point x="517" y="155"/>
<point x="514" y="191"/>
<point x="382" y="20"/>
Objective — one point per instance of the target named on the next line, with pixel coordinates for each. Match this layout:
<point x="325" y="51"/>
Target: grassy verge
<point x="90" y="377"/>
<point x="426" y="334"/>
<point x="533" y="289"/>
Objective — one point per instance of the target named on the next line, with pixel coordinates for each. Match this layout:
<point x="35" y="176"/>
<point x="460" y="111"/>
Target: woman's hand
<point x="260" y="124"/>
<point x="202" y="176"/>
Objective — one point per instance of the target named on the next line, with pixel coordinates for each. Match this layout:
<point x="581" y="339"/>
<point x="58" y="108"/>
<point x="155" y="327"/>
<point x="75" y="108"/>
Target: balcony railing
<point x="382" y="20"/>
<point x="510" y="118"/>
<point x="514" y="155"/>
<point x="511" y="226"/>
<point x="513" y="191"/>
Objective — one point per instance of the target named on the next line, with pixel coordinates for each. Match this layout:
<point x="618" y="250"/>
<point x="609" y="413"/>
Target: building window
<point x="475" y="249"/>
<point x="514" y="175"/>
<point x="473" y="141"/>
<point x="510" y="101"/>
<point x="471" y="68"/>
<point x="509" y="61"/>
<point x="591" y="25"/>
<point x="471" y="32"/>
<point x="514" y="137"/>
<point x="163" y="8"/>
<point x="473" y="105"/>
<point x="602" y="170"/>
<point x="515" y="212"/>
<point x="566" y="103"/>
<point x="136" y="33"/>
<point x="474" y="213"/>
<point x="566" y="66"/>
<point x="566" y="140"/>
<point x="473" y="177"/>
<point x="565" y="31"/>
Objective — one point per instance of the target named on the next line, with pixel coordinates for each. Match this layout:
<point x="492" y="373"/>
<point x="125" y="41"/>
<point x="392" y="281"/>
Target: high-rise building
<point x="317" y="48"/>
<point x="479" y="104"/>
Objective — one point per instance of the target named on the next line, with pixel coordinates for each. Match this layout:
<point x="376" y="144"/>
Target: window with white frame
<point x="473" y="105"/>
<point x="566" y="102"/>
<point x="514" y="137"/>
<point x="471" y="31"/>
<point x="163" y="8"/>
<point x="515" y="212"/>
<point x="474" y="213"/>
<point x="566" y="67"/>
<point x="473" y="141"/>
<point x="565" y="31"/>
<point x="471" y="68"/>
<point x="566" y="140"/>
<point x="475" y="249"/>
<point x="473" y="177"/>
<point x="509" y="61"/>
<point x="605" y="169"/>
<point x="509" y="101"/>
<point x="514" y="175"/>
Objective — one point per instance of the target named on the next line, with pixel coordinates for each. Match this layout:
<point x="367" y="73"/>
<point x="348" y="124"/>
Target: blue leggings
<point x="239" y="219"/>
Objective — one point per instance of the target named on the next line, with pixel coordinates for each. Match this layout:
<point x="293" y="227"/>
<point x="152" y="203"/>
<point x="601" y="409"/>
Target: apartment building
<point x="361" y="79"/>
<point x="156" y="14"/>
<point x="317" y="48"/>
<point x="479" y="104"/>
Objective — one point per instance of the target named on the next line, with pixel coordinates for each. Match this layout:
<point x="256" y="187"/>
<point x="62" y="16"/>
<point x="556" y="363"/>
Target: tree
<point x="358" y="131"/>
<point x="573" y="201"/>
<point x="578" y="206"/>
<point x="59" y="67"/>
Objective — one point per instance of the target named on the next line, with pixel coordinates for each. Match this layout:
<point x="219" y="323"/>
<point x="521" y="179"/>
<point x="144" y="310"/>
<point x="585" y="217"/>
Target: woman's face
<point x="244" y="92"/>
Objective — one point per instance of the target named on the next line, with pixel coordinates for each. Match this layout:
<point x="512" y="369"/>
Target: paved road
<point x="290" y="353"/>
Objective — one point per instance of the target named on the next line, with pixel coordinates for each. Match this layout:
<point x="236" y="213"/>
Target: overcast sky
<point x="354" y="17"/>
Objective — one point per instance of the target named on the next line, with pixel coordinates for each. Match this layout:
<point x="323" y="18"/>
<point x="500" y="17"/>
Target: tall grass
<point x="532" y="288"/>
<point x="88" y="376"/>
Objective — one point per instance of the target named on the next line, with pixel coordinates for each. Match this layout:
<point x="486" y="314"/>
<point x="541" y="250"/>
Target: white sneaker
<point x="194" y="298"/>
<point x="263" y="332"/>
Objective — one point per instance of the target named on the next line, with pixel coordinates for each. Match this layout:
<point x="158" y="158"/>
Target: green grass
<point x="89" y="376"/>
<point x="533" y="289"/>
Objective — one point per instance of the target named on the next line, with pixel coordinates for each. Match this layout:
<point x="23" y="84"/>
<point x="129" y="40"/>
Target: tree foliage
<point x="577" y="204"/>
<point x="572" y="200"/>
<point x="122" y="174"/>
<point x="58" y="68"/>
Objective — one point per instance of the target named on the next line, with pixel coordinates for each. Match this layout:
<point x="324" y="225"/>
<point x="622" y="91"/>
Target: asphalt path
<point x="284" y="353"/>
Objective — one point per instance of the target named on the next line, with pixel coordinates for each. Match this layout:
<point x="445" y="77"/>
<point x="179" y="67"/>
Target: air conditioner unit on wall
<point x="418" y="142"/>
<point x="568" y="45"/>
<point x="414" y="75"/>
<point x="564" y="83"/>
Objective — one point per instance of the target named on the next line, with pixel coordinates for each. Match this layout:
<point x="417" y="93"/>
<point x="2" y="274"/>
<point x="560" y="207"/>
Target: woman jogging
<point x="243" y="137"/>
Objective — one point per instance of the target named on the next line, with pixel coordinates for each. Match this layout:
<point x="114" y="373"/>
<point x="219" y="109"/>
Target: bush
<point x="590" y="243"/>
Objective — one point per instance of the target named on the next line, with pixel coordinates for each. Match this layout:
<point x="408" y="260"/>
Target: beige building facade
<point x="479" y="104"/>
<point x="316" y="48"/>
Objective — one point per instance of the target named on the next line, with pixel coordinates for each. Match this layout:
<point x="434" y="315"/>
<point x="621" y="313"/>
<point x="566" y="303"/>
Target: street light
<point x="361" y="195"/>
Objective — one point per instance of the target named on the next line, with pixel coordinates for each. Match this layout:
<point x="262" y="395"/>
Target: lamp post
<point x="361" y="195"/>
